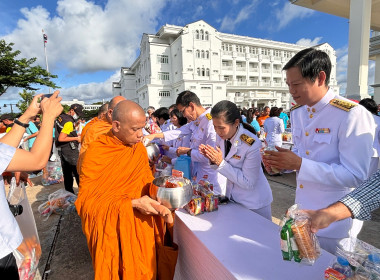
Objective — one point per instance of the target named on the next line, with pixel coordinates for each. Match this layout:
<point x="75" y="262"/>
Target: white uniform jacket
<point x="376" y="145"/>
<point x="336" y="146"/>
<point x="274" y="127"/>
<point x="201" y="131"/>
<point x="246" y="183"/>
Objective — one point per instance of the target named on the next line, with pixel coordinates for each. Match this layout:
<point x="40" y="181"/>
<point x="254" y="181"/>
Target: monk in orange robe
<point x="101" y="113"/>
<point x="118" y="216"/>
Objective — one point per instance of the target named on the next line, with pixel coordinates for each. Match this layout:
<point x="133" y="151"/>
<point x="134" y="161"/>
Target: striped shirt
<point x="365" y="198"/>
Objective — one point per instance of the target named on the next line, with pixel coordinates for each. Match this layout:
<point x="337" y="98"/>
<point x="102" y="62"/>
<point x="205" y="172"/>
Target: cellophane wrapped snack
<point x="52" y="174"/>
<point x="362" y="258"/>
<point x="195" y="206"/>
<point x="270" y="169"/>
<point x="60" y="202"/>
<point x="297" y="240"/>
<point x="28" y="254"/>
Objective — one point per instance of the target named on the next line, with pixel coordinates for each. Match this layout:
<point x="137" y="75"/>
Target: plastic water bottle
<point x="343" y="266"/>
<point x="183" y="163"/>
<point x="372" y="264"/>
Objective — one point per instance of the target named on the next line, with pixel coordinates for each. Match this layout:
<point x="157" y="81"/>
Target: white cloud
<point x="288" y="13"/>
<point x="85" y="37"/>
<point x="92" y="92"/>
<point x="308" y="42"/>
<point x="229" y="22"/>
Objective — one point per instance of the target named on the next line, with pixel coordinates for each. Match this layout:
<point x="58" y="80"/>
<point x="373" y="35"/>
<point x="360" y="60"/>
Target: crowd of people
<point x="335" y="151"/>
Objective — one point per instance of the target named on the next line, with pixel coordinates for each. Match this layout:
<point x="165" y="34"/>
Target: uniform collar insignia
<point x="295" y="107"/>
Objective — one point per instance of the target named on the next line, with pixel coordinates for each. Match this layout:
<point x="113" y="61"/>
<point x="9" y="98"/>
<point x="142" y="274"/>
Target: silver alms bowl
<point x="173" y="198"/>
<point x="153" y="150"/>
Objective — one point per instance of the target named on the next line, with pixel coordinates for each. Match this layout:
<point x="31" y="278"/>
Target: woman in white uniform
<point x="178" y="120"/>
<point x="274" y="127"/>
<point x="237" y="157"/>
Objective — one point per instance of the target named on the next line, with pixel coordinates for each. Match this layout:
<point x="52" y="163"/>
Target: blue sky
<point x="88" y="41"/>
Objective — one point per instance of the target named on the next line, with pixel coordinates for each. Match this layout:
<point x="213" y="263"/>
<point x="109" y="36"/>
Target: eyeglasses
<point x="183" y="109"/>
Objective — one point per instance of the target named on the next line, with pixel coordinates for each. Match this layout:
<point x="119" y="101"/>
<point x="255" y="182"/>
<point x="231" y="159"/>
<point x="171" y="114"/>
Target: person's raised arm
<point x="38" y="156"/>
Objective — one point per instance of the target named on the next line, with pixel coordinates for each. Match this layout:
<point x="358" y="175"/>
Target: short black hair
<point x="185" y="97"/>
<point x="369" y="104"/>
<point x="311" y="62"/>
<point x="274" y="112"/>
<point x="181" y="119"/>
<point x="162" y="112"/>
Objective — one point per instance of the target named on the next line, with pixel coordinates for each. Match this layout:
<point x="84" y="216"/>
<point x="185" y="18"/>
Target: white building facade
<point x="216" y="66"/>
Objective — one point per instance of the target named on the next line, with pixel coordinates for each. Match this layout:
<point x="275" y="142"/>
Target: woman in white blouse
<point x="274" y="127"/>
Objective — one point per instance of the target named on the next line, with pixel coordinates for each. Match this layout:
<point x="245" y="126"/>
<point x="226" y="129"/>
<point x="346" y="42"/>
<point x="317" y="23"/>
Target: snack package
<point x="195" y="206"/>
<point x="355" y="259"/>
<point x="60" y="202"/>
<point x="270" y="170"/>
<point x="211" y="201"/>
<point x="297" y="240"/>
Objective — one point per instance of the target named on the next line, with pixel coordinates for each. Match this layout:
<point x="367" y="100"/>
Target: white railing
<point x="265" y="70"/>
<point x="227" y="52"/>
<point x="226" y="67"/>
<point x="240" y="68"/>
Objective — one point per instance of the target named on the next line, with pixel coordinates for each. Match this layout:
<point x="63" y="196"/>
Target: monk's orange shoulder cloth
<point x="120" y="239"/>
<point x="99" y="127"/>
<point x="87" y="126"/>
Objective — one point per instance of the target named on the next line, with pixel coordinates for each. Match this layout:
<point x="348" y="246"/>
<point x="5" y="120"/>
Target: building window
<point x="162" y="59"/>
<point x="264" y="51"/>
<point x="198" y="71"/>
<point x="203" y="54"/>
<point x="253" y="50"/>
<point x="239" y="48"/>
<point x="163" y="76"/>
<point x="201" y="35"/>
<point x="277" y="53"/>
<point x="197" y="54"/>
<point x="189" y="51"/>
<point x="197" y="34"/>
<point x="214" y="53"/>
<point x="193" y="87"/>
<point x="164" y="93"/>
<point x="218" y="87"/>
<point x="203" y="72"/>
<point x="207" y="72"/>
<point x="207" y="54"/>
<point x="206" y="36"/>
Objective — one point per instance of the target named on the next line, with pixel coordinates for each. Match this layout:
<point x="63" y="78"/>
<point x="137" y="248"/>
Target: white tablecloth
<point x="235" y="243"/>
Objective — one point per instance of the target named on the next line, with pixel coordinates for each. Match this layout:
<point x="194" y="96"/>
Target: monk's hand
<point x="164" y="212"/>
<point x="145" y="205"/>
<point x="282" y="159"/>
<point x="182" y="151"/>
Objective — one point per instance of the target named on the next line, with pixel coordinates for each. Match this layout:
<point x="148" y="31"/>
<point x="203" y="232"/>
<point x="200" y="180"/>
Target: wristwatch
<point x="24" y="125"/>
<point x="189" y="153"/>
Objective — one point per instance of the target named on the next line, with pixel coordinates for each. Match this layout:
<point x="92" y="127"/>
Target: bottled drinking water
<point x="343" y="266"/>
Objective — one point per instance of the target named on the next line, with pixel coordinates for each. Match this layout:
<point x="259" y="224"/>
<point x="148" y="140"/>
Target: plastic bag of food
<point x="270" y="169"/>
<point x="52" y="174"/>
<point x="29" y="252"/>
<point x="195" y="206"/>
<point x="297" y="240"/>
<point x="60" y="202"/>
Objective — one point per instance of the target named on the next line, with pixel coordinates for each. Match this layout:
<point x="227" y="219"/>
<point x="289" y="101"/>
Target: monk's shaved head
<point x="114" y="101"/>
<point x="111" y="105"/>
<point x="128" y="120"/>
<point x="127" y="111"/>
<point x="103" y="109"/>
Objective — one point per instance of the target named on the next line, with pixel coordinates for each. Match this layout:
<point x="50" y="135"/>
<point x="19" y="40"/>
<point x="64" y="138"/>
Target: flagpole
<point x="44" y="38"/>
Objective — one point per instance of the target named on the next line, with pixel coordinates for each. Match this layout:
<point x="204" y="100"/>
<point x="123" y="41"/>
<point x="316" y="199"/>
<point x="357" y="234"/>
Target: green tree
<point x="66" y="108"/>
<point x="20" y="72"/>
<point x="26" y="99"/>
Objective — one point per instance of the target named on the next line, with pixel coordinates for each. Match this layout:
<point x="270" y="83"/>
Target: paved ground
<point x="64" y="251"/>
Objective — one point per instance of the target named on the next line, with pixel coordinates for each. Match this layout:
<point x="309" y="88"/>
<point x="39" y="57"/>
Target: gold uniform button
<point x="311" y="116"/>
<point x="307" y="133"/>
<point x="308" y="109"/>
<point x="307" y="152"/>
<point x="313" y="110"/>
<point x="301" y="186"/>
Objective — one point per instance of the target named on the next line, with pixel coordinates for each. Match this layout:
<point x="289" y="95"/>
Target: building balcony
<point x="240" y="68"/>
<point x="241" y="83"/>
<point x="254" y="70"/>
<point x="277" y="71"/>
<point x="277" y="84"/>
<point x="264" y="70"/>
<point x="254" y="83"/>
<point x="227" y="68"/>
<point x="227" y="53"/>
<point x="239" y="99"/>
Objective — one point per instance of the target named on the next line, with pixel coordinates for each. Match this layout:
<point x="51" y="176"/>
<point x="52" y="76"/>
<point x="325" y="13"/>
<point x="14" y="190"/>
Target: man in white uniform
<point x="202" y="131"/>
<point x="333" y="139"/>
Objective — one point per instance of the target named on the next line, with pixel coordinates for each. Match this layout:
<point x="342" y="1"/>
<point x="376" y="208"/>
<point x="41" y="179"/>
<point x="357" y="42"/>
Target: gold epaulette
<point x="341" y="104"/>
<point x="249" y="140"/>
<point x="208" y="116"/>
<point x="295" y="107"/>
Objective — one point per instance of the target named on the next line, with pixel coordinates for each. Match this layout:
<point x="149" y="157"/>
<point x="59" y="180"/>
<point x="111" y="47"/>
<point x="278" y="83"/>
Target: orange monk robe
<point x="87" y="126"/>
<point x="120" y="239"/>
<point x="97" y="128"/>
